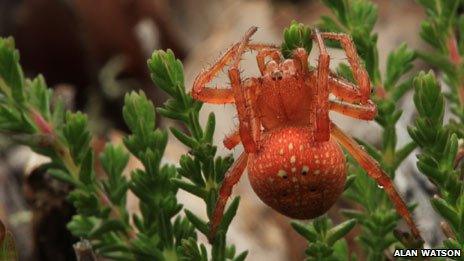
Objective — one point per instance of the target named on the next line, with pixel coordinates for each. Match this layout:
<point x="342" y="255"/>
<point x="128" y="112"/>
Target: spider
<point x="291" y="147"/>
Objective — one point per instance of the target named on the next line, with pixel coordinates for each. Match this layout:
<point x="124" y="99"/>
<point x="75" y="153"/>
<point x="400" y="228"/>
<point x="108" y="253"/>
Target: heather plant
<point x="158" y="232"/>
<point x="378" y="218"/>
<point x="441" y="141"/>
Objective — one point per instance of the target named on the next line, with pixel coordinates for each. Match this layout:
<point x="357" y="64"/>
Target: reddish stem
<point x="41" y="123"/>
<point x="459" y="157"/>
<point x="455" y="58"/>
<point x="380" y="92"/>
<point x="453" y="50"/>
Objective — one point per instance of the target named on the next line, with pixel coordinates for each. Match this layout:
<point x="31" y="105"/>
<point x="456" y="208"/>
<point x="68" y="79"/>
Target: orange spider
<point x="295" y="163"/>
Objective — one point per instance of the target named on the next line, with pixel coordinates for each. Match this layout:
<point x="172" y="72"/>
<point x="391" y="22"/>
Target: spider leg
<point x="373" y="170"/>
<point x="359" y="72"/>
<point x="231" y="178"/>
<point x="322" y="91"/>
<point x="223" y="94"/>
<point x="218" y="94"/>
<point x="345" y="90"/>
<point x="301" y="56"/>
<point x="354" y="101"/>
<point x="233" y="139"/>
<point x="248" y="132"/>
<point x="366" y="111"/>
<point x="274" y="53"/>
<point x="244" y="110"/>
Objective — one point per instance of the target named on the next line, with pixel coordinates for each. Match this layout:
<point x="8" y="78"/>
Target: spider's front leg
<point x="322" y="90"/>
<point x="355" y="100"/>
<point x="224" y="94"/>
<point x="359" y="72"/>
<point x="248" y="134"/>
<point x="374" y="171"/>
<point x="274" y="53"/>
<point x="231" y="178"/>
<point x="366" y="111"/>
<point x="219" y="94"/>
<point x="235" y="172"/>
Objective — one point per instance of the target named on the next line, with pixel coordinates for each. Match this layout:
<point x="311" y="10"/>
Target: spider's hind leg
<point x="231" y="178"/>
<point x="374" y="171"/>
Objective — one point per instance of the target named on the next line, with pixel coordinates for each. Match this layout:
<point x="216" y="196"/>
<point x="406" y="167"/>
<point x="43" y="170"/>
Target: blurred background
<point x="93" y="51"/>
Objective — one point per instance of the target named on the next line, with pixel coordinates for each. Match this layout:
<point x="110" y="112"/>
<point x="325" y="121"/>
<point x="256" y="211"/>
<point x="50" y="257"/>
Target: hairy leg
<point x="231" y="178"/>
<point x="359" y="72"/>
<point x="345" y="90"/>
<point x="366" y="111"/>
<point x="322" y="91"/>
<point x="373" y="170"/>
<point x="251" y="86"/>
<point x="301" y="56"/>
<point x="232" y="140"/>
<point x="218" y="94"/>
<point x="263" y="53"/>
<point x="222" y="94"/>
<point x="243" y="109"/>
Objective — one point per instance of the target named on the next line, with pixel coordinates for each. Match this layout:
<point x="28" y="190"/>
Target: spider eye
<point x="277" y="75"/>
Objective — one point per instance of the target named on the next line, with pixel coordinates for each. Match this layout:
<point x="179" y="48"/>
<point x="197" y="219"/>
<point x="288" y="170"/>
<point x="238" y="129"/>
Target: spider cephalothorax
<point x="295" y="163"/>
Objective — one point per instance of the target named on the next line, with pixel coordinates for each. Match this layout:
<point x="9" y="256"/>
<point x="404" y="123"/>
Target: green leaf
<point x="241" y="257"/>
<point x="77" y="136"/>
<point x="439" y="60"/>
<point x="339" y="8"/>
<point x="114" y="160"/>
<point x="209" y="129"/>
<point x="191" y="251"/>
<point x="229" y="214"/>
<point x="295" y="36"/>
<point x="59" y="114"/>
<point x="167" y="72"/>
<point x="399" y="62"/>
<point x="39" y="97"/>
<point x="139" y="113"/>
<point x="428" y="98"/>
<point x="63" y="176"/>
<point x="304" y="231"/>
<point x="446" y="211"/>
<point x="12" y="120"/>
<point x="197" y="222"/>
<point x="86" y="174"/>
<point x="80" y="226"/>
<point x="191" y="188"/>
<point x="11" y="74"/>
<point x="404" y="152"/>
<point x="110" y="225"/>
<point x="184" y="138"/>
<point x="340" y="231"/>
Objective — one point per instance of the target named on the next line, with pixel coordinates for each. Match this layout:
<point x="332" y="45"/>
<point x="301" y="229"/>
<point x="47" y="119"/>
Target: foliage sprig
<point x="357" y="18"/>
<point x="325" y="240"/>
<point x="28" y="114"/>
<point x="201" y="170"/>
<point x="437" y="161"/>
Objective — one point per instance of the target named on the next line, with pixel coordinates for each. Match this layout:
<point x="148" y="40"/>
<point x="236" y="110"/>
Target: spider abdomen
<point x="296" y="176"/>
